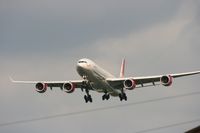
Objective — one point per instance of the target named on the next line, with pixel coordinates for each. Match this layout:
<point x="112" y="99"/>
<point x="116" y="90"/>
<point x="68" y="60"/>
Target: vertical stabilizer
<point x="122" y="69"/>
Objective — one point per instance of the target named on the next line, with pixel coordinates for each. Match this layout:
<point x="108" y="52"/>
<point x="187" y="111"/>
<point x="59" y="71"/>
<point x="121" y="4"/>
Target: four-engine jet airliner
<point x="94" y="78"/>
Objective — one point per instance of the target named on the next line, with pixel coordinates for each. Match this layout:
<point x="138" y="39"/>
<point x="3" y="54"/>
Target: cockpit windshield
<point x="82" y="62"/>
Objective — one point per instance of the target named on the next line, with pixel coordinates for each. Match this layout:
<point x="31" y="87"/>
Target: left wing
<point x="139" y="82"/>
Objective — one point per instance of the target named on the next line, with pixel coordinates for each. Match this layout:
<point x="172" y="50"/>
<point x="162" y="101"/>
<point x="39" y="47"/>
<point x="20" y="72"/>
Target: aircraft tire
<point x="103" y="97"/>
<point x="90" y="98"/>
<point x="107" y="96"/>
<point x="86" y="98"/>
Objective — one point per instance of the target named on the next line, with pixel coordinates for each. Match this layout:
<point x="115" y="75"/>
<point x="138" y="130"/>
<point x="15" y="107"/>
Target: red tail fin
<point x="122" y="69"/>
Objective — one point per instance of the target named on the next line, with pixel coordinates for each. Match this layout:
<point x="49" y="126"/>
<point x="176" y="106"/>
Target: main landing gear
<point x="122" y="96"/>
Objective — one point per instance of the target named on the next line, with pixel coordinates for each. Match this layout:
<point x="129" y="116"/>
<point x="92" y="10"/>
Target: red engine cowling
<point x="129" y="84"/>
<point x="166" y="80"/>
<point x="68" y="87"/>
<point x="41" y="87"/>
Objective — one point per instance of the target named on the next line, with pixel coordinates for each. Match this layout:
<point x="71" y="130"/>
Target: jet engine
<point x="166" y="80"/>
<point x="68" y="87"/>
<point x="129" y="84"/>
<point x="41" y="87"/>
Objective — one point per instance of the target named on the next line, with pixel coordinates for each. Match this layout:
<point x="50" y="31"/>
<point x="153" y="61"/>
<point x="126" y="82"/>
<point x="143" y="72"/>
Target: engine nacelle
<point x="166" y="80"/>
<point x="129" y="84"/>
<point x="68" y="87"/>
<point x="41" y="87"/>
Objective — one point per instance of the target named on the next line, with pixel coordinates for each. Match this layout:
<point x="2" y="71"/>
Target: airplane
<point x="95" y="78"/>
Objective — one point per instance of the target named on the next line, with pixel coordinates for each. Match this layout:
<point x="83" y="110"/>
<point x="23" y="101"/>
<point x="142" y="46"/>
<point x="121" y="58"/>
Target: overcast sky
<point x="44" y="39"/>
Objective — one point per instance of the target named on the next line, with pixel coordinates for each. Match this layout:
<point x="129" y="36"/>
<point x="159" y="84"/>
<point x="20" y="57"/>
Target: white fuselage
<point x="96" y="76"/>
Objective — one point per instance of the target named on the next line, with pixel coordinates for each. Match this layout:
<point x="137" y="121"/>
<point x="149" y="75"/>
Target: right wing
<point x="41" y="86"/>
<point x="77" y="83"/>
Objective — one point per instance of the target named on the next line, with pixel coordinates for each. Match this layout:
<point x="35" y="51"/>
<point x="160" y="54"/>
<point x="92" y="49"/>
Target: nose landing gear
<point x="105" y="97"/>
<point x="88" y="98"/>
<point x="86" y="85"/>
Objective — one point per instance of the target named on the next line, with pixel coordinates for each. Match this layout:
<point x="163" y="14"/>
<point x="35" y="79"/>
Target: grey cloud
<point x="42" y="24"/>
<point x="42" y="40"/>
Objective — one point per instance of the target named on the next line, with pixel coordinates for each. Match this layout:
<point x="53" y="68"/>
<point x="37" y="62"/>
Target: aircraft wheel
<point x="103" y="97"/>
<point x="107" y="96"/>
<point x="120" y="97"/>
<point x="90" y="98"/>
<point x="86" y="99"/>
<point x="124" y="96"/>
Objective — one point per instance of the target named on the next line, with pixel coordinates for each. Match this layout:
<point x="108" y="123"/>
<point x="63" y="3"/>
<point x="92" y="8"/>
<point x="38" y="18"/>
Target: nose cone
<point x="84" y="64"/>
<point x="79" y="68"/>
<point x="82" y="67"/>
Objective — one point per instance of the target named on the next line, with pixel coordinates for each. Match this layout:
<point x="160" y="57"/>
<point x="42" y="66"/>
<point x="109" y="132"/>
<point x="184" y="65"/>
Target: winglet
<point x="23" y="82"/>
<point x="122" y="69"/>
<point x="11" y="79"/>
